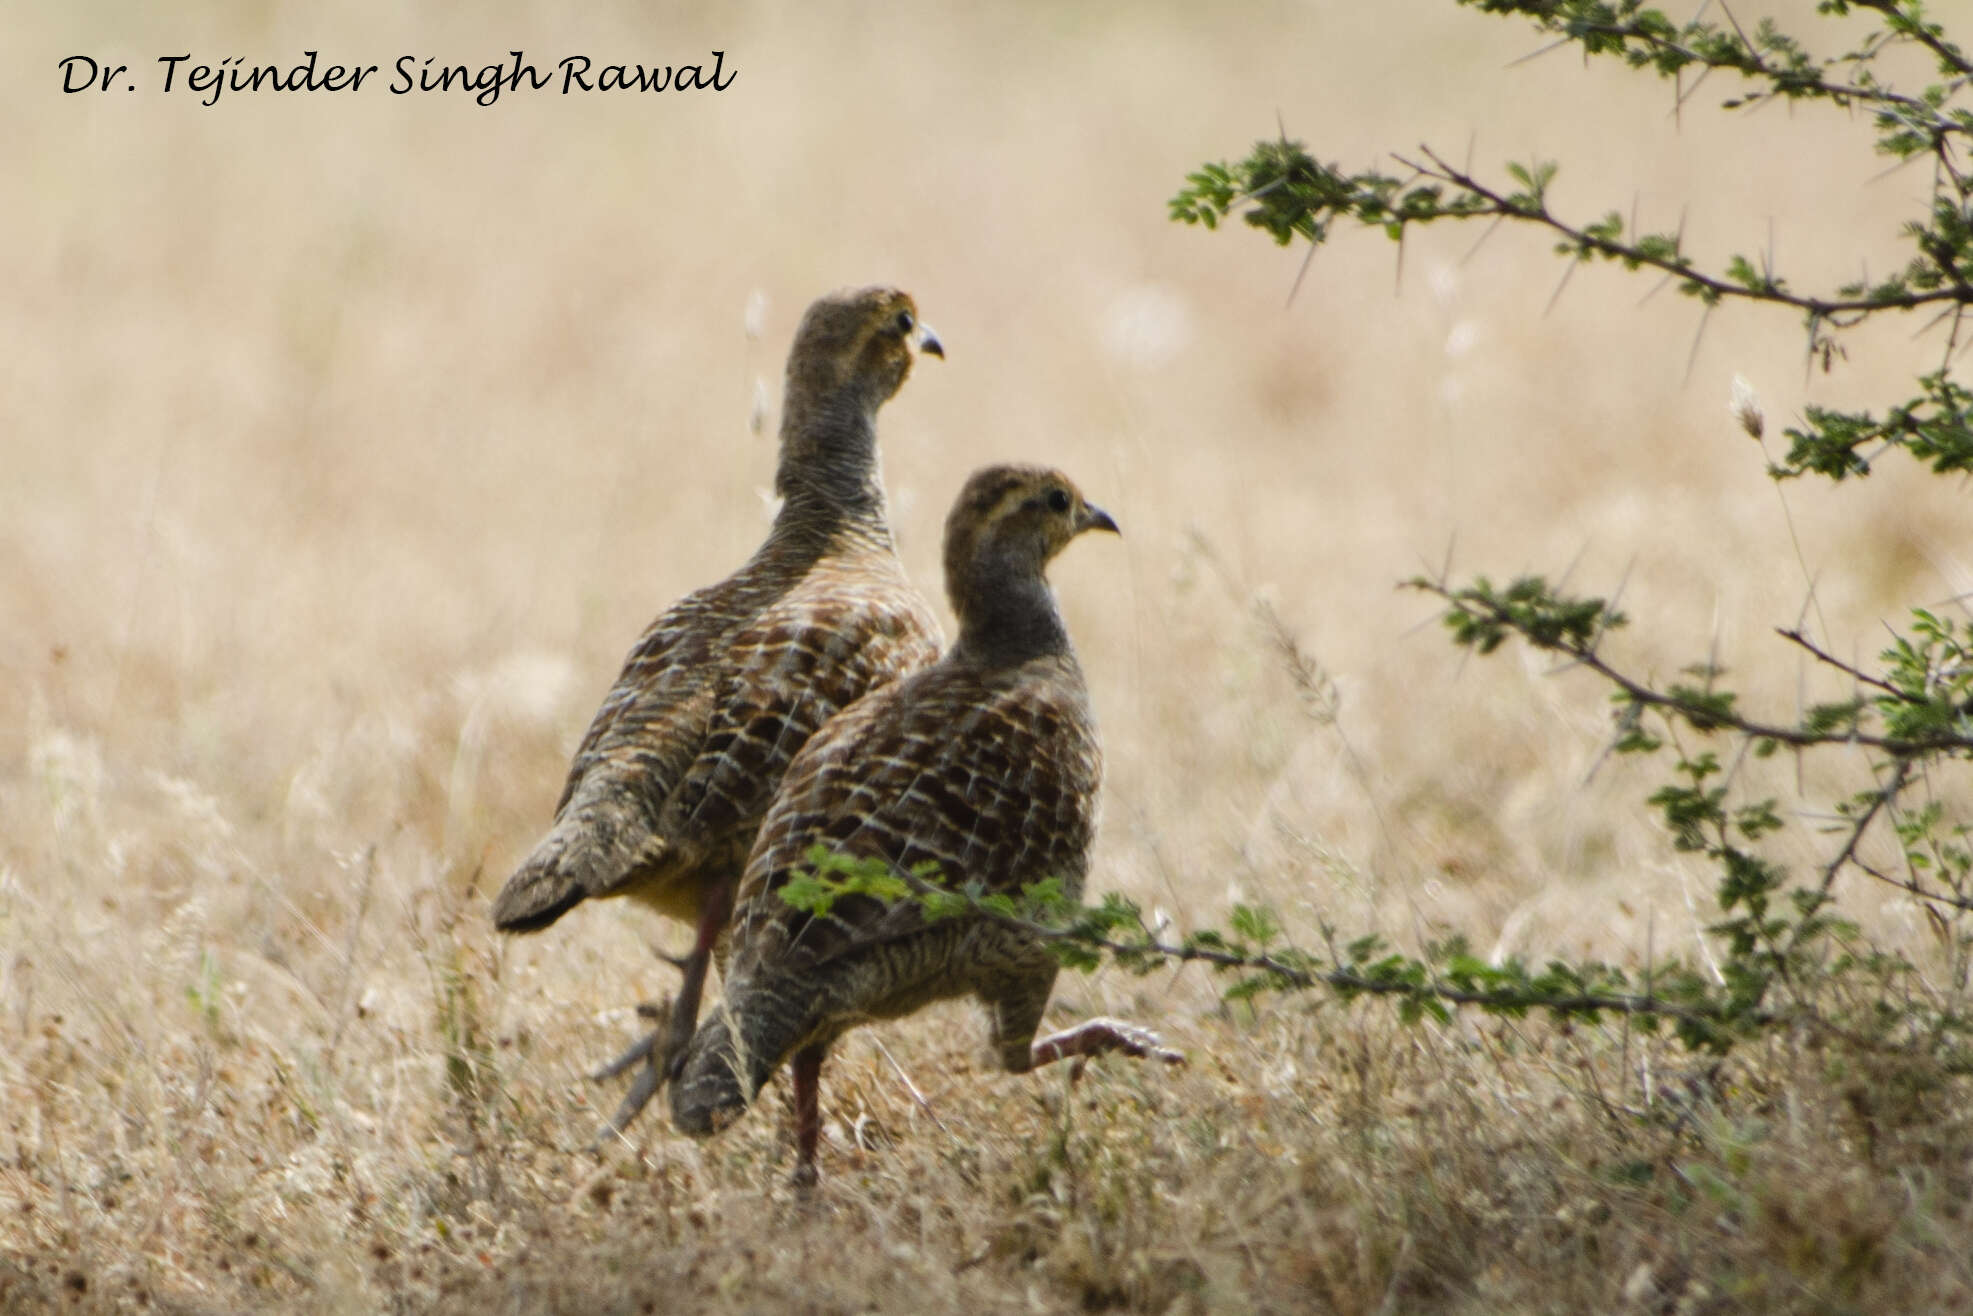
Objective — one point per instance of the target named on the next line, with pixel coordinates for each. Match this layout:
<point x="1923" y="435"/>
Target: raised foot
<point x="1093" y="1037"/>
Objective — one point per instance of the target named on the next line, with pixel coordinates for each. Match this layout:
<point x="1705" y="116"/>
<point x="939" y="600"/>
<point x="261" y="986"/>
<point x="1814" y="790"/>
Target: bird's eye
<point x="1058" y="500"/>
<point x="905" y="322"/>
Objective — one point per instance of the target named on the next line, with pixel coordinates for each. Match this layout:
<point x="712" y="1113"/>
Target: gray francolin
<point x="676" y="771"/>
<point x="985" y="764"/>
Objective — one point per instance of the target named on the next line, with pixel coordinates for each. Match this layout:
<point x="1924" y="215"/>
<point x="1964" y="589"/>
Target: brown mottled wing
<point x="712" y="705"/>
<point x="654" y="718"/>
<point x="851" y="626"/>
<point x="993" y="776"/>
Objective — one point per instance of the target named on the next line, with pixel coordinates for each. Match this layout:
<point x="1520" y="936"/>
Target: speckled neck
<point x="829" y="475"/>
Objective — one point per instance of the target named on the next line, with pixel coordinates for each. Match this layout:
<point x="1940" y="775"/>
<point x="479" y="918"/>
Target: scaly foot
<point x="659" y="1054"/>
<point x="1095" y="1036"/>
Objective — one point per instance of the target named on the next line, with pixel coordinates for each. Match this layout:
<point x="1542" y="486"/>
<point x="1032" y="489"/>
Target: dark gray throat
<point x="1008" y="616"/>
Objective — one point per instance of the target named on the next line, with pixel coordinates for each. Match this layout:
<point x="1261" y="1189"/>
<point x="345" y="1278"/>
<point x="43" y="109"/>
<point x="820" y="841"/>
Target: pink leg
<point x="807" y="1070"/>
<point x="685" y="1011"/>
<point x="1093" y="1037"/>
<point x="662" y="1050"/>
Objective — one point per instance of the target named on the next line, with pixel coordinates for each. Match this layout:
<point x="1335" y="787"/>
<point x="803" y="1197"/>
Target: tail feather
<point x="733" y="1054"/>
<point x="590" y="851"/>
<point x="535" y="896"/>
<point x="712" y="1089"/>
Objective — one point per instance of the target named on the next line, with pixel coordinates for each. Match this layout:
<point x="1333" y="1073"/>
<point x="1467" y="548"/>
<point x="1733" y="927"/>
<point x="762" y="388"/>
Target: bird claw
<point x="659" y="1055"/>
<point x="642" y="1048"/>
<point x="1145" y="1044"/>
<point x="649" y="1079"/>
<point x="1095" y="1036"/>
<point x="679" y="962"/>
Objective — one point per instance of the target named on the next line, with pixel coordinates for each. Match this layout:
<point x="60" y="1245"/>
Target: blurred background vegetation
<point x="351" y="439"/>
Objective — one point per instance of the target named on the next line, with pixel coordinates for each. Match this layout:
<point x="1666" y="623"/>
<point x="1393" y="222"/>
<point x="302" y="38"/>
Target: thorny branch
<point x="1706" y="715"/>
<point x="1283" y="189"/>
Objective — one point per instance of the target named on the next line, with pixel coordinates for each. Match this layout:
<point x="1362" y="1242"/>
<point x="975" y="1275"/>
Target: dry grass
<point x="350" y="442"/>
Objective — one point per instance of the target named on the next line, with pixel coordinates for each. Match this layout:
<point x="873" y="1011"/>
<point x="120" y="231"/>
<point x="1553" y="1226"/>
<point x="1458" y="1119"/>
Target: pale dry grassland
<point x="349" y="442"/>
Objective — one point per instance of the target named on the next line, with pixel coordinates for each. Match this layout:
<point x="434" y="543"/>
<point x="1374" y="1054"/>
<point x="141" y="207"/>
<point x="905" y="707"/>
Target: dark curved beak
<point x="928" y="341"/>
<point x="1095" y="518"/>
